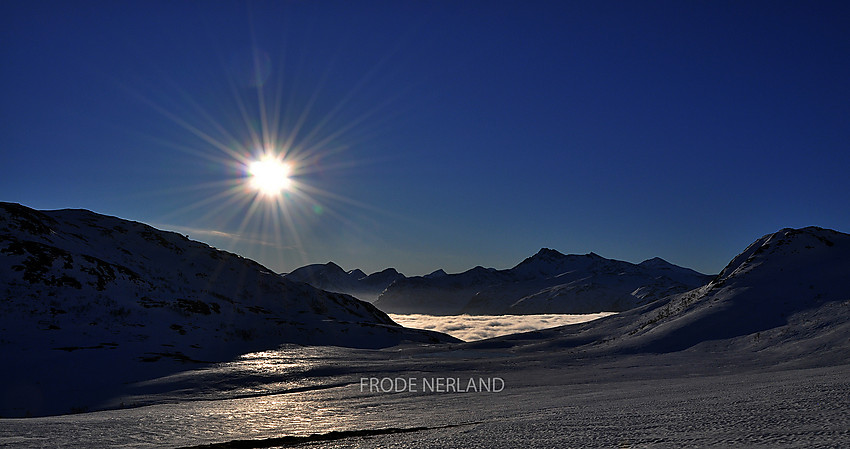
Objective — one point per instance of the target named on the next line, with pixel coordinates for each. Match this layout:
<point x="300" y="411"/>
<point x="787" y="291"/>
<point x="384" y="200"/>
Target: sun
<point x="269" y="176"/>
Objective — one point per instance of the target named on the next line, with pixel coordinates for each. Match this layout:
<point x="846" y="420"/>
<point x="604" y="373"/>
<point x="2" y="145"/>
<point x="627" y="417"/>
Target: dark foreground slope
<point x="87" y="299"/>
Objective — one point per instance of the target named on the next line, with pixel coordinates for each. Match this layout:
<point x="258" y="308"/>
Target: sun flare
<point x="269" y="176"/>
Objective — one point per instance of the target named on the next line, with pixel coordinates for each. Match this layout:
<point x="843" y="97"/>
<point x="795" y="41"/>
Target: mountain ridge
<point x="78" y="251"/>
<point x="333" y="278"/>
<point x="787" y="294"/>
<point x="546" y="282"/>
<point x="465" y="292"/>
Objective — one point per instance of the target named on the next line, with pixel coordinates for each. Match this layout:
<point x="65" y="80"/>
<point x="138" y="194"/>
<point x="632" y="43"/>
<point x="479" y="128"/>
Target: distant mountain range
<point x="547" y="282"/>
<point x="331" y="277"/>
<point x="787" y="294"/>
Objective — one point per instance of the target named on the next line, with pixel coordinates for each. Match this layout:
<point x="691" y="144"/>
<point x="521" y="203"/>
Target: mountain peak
<point x="824" y="236"/>
<point x="654" y="262"/>
<point x="785" y="244"/>
<point x="545" y="255"/>
<point x="334" y="267"/>
<point x="436" y="274"/>
<point x="548" y="252"/>
<point x="357" y="274"/>
<point x="26" y="219"/>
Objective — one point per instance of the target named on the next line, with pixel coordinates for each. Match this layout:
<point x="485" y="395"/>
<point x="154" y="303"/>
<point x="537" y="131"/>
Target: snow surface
<point x="692" y="399"/>
<point x="758" y="357"/>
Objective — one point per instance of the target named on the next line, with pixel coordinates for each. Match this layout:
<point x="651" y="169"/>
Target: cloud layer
<point x="479" y="327"/>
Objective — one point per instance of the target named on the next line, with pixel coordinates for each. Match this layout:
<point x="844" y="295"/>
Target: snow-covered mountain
<point x="547" y="282"/>
<point x="331" y="277"/>
<point x="87" y="294"/>
<point x="64" y="267"/>
<point x="756" y="358"/>
<point x="788" y="293"/>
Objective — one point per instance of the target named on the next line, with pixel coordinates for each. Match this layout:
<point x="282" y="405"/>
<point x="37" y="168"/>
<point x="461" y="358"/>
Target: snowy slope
<point x="80" y="292"/>
<point x="548" y="282"/>
<point x="788" y="293"/>
<point x="331" y="277"/>
<point x="795" y="280"/>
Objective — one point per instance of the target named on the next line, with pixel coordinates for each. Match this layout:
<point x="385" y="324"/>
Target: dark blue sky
<point x="436" y="134"/>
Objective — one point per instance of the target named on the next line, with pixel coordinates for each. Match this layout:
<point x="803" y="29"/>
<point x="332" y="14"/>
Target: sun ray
<point x="271" y="143"/>
<point x="185" y="124"/>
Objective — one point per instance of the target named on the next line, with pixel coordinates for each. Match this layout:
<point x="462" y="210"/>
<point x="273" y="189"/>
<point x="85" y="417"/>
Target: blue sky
<point x="438" y="134"/>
